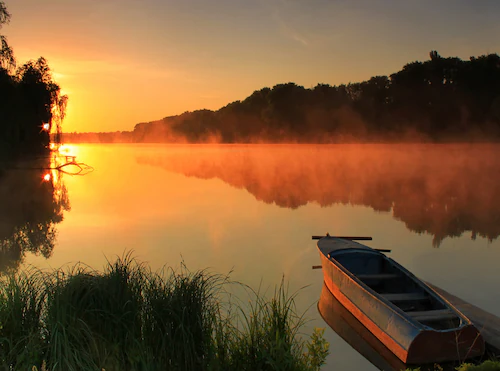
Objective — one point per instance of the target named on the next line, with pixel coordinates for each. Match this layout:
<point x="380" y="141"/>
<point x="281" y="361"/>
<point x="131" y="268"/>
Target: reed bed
<point x="128" y="317"/>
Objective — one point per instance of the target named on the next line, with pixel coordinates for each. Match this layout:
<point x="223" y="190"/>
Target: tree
<point x="7" y="60"/>
<point x="30" y="99"/>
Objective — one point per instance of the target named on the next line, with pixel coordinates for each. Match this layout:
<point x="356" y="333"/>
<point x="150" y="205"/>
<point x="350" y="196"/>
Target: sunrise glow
<point x="126" y="62"/>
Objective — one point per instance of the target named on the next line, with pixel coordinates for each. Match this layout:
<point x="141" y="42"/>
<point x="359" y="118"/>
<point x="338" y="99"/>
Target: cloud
<point x="284" y="14"/>
<point x="291" y="33"/>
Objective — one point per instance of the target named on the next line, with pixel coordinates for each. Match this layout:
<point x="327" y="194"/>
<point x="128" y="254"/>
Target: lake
<point x="251" y="210"/>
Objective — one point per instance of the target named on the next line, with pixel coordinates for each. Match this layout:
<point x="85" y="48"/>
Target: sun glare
<point x="67" y="150"/>
<point x="46" y="177"/>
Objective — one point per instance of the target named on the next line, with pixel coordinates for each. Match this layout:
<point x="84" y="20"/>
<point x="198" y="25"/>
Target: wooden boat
<point x="406" y="315"/>
<point x="355" y="334"/>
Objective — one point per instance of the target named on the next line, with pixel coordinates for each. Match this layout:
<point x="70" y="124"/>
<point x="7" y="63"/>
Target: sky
<point x="122" y="62"/>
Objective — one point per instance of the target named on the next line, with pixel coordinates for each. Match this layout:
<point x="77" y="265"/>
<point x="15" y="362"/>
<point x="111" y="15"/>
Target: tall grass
<point x="128" y="317"/>
<point x="22" y="298"/>
<point x="267" y="335"/>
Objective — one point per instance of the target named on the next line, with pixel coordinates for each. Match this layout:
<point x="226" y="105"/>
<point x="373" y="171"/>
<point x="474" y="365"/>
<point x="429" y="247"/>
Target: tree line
<point x="30" y="101"/>
<point x="439" y="99"/>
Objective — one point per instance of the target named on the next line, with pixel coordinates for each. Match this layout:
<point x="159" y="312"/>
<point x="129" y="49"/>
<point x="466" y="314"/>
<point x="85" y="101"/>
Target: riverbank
<point x="131" y="318"/>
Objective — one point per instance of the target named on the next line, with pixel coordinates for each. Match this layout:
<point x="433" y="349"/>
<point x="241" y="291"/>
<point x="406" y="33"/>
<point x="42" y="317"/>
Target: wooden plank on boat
<point x="382" y="276"/>
<point x="351" y="238"/>
<point x="488" y="324"/>
<point x="408" y="296"/>
<point x="432" y="315"/>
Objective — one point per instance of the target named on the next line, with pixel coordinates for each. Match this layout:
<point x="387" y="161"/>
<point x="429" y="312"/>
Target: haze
<point x="440" y="198"/>
<point x="124" y="62"/>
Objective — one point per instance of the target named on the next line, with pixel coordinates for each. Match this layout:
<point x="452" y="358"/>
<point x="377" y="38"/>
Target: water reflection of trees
<point x="443" y="190"/>
<point x="32" y="204"/>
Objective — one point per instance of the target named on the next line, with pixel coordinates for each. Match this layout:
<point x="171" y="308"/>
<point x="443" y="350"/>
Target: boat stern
<point x="458" y="345"/>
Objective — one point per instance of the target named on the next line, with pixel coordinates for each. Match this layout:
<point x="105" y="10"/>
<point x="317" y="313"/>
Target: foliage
<point x="485" y="366"/>
<point x="130" y="318"/>
<point x="30" y="99"/>
<point x="436" y="100"/>
<point x="266" y="336"/>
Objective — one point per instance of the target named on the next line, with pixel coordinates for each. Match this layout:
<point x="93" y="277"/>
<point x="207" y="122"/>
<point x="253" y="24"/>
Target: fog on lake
<point x="251" y="210"/>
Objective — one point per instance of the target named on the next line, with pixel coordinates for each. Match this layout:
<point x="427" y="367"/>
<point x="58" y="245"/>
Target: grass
<point x="131" y="318"/>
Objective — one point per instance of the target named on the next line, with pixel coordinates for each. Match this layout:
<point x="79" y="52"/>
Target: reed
<point x="130" y="318"/>
<point x="22" y="298"/>
<point x="266" y="334"/>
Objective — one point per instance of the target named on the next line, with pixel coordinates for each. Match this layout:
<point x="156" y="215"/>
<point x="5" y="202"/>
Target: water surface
<point x="252" y="210"/>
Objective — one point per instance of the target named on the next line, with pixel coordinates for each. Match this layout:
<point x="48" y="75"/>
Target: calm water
<point x="253" y="209"/>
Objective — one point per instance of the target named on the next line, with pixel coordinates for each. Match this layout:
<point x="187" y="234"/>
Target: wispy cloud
<point x="284" y="15"/>
<point x="291" y="33"/>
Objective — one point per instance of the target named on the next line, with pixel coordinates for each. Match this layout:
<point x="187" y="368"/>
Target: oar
<point x="345" y="238"/>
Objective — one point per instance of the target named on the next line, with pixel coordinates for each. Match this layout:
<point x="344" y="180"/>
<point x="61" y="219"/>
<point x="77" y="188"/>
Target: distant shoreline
<point x="114" y="138"/>
<point x="441" y="100"/>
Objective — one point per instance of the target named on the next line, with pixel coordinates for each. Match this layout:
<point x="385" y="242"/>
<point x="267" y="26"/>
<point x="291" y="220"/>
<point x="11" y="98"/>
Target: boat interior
<point x="387" y="279"/>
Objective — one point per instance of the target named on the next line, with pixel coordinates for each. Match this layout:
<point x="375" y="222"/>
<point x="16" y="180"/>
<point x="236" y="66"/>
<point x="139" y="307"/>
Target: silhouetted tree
<point x="29" y="99"/>
<point x="436" y="99"/>
<point x="7" y="60"/>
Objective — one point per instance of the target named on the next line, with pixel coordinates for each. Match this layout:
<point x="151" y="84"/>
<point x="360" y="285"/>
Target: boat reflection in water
<point x="360" y="338"/>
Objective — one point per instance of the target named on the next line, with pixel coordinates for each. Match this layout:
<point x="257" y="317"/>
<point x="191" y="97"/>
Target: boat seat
<point x="380" y="276"/>
<point x="408" y="296"/>
<point x="433" y="315"/>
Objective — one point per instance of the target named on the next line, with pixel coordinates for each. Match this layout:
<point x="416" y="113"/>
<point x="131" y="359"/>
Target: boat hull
<point x="355" y="334"/>
<point x="411" y="343"/>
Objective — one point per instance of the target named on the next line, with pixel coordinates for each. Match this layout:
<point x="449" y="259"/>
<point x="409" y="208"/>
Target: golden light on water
<point x="68" y="150"/>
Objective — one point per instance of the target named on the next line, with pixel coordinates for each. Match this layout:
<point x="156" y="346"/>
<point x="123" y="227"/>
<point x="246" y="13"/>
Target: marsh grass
<point x="267" y="333"/>
<point x="22" y="298"/>
<point x="128" y="317"/>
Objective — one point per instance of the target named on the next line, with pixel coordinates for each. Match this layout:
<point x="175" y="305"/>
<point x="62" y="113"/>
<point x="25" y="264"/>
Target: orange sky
<point x="129" y="61"/>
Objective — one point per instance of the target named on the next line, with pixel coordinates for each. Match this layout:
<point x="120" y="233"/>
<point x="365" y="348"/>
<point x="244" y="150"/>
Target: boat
<point x="412" y="320"/>
<point x="354" y="333"/>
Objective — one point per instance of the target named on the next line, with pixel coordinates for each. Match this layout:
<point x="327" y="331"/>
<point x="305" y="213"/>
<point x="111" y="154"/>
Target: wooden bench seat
<point x="381" y="276"/>
<point x="409" y="296"/>
<point x="432" y="315"/>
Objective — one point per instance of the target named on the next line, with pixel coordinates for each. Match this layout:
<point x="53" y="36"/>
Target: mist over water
<point x="442" y="190"/>
<point x="251" y="210"/>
